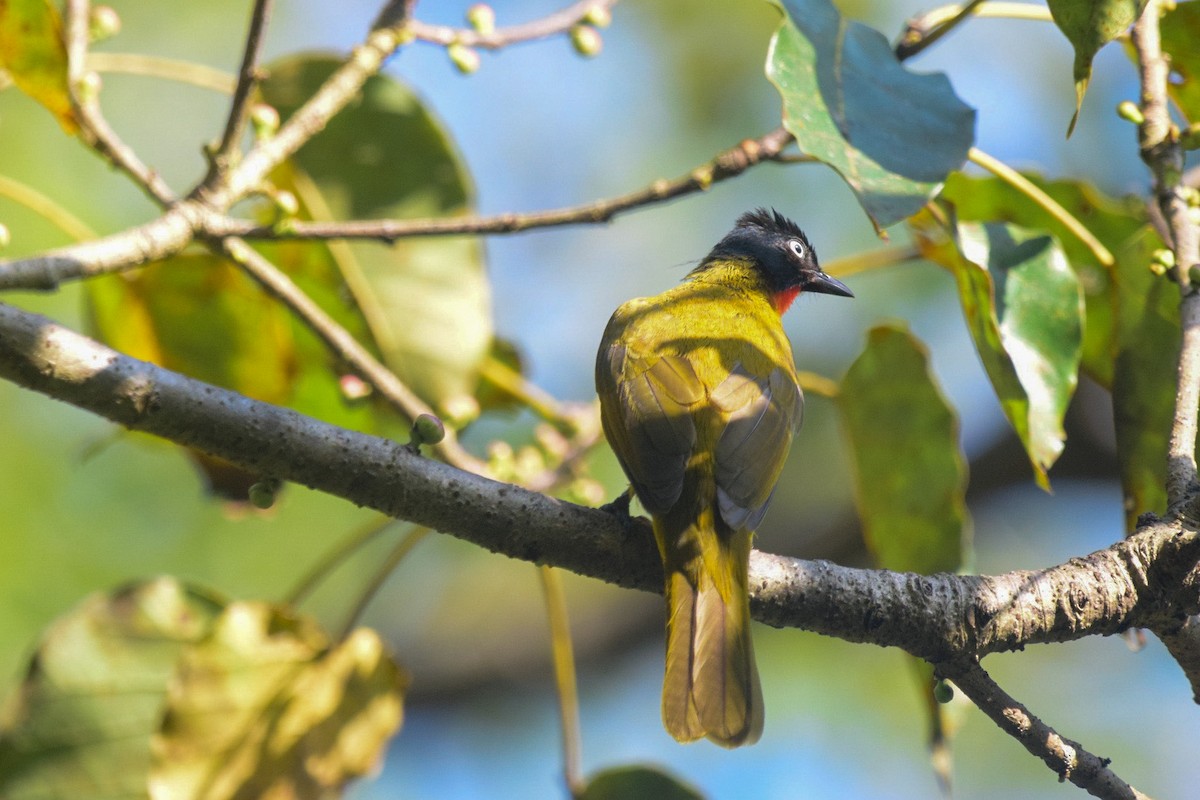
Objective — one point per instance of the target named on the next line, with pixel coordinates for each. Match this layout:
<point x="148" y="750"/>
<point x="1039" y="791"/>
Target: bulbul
<point x="699" y="400"/>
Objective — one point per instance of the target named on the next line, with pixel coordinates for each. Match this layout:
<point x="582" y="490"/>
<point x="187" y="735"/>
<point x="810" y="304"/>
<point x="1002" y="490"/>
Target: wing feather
<point x="762" y="414"/>
<point x="651" y="428"/>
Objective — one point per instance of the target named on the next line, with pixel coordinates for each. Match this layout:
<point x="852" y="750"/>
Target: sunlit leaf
<point x="1024" y="308"/>
<point x="1111" y="220"/>
<point x="264" y="708"/>
<point x="910" y="474"/>
<point x="1089" y="25"/>
<point x="33" y="53"/>
<point x="1180" y="34"/>
<point x="637" y="783"/>
<point x="1144" y="381"/>
<point x="80" y="724"/>
<point x="891" y="133"/>
<point x="426" y="300"/>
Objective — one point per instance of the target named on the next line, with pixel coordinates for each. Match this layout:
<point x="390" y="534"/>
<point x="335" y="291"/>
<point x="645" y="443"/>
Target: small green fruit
<point x="465" y="59"/>
<point x="598" y="16"/>
<point x="943" y="692"/>
<point x="262" y="494"/>
<point x="103" y="23"/>
<point x="428" y="429"/>
<point x="265" y="121"/>
<point x="586" y="40"/>
<point x="482" y="19"/>
<point x="1128" y="110"/>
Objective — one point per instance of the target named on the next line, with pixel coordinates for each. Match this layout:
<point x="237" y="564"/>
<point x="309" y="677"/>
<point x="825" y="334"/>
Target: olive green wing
<point x="762" y="413"/>
<point x="646" y="403"/>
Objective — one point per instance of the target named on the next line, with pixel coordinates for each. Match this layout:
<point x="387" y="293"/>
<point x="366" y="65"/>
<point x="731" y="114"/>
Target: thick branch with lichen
<point x="1135" y="583"/>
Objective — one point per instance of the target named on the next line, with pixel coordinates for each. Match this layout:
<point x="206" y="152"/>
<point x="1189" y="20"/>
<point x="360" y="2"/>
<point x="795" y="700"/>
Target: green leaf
<point x="638" y="783"/>
<point x="910" y="474"/>
<point x="33" y="52"/>
<point x="1089" y="25"/>
<point x="1180" y="33"/>
<point x="263" y="707"/>
<point x="910" y="479"/>
<point x="892" y="134"/>
<point x="80" y="724"/>
<point x="1144" y="380"/>
<point x="426" y="300"/>
<point x="1024" y="308"/>
<point x="1111" y="220"/>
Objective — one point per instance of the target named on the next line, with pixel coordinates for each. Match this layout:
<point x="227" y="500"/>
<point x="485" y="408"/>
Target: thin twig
<point x="1044" y="201"/>
<point x="927" y="28"/>
<point x="1068" y="759"/>
<point x="343" y="344"/>
<point x="922" y="32"/>
<point x="1159" y="145"/>
<point x="549" y="25"/>
<point x="235" y="123"/>
<point x="93" y="127"/>
<point x="727" y="164"/>
<point x="1158" y="140"/>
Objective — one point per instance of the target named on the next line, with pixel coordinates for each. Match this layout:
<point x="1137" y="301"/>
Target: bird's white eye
<point x="797" y="247"/>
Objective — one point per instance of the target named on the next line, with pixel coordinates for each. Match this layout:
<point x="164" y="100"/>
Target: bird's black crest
<point x="771" y="221"/>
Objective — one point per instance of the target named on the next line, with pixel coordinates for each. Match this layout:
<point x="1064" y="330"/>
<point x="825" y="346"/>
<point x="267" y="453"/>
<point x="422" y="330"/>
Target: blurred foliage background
<point x="84" y="507"/>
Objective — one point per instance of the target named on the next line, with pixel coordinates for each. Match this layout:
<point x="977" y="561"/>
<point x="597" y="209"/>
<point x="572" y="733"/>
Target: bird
<point x="699" y="400"/>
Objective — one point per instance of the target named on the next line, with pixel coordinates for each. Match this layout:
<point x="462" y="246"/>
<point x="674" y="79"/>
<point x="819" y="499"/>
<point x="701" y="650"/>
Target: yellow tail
<point x="711" y="685"/>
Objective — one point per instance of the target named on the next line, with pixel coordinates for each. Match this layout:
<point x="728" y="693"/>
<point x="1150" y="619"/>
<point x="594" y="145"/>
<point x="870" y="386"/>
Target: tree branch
<point x="549" y="25"/>
<point x="94" y="129"/>
<point x="1143" y="581"/>
<point x="726" y="164"/>
<point x="1065" y="757"/>
<point x="1158" y="141"/>
<point x="343" y="344"/>
<point x="235" y="123"/>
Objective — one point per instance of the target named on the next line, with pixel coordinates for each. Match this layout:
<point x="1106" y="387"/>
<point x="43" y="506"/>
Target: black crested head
<point x="779" y="250"/>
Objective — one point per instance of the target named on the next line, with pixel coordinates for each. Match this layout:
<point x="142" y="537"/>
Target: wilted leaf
<point x="426" y="300"/>
<point x="1089" y="25"/>
<point x="80" y="724"/>
<point x="891" y="133"/>
<point x="1144" y="381"/>
<point x="1111" y="220"/>
<point x="262" y="708"/>
<point x="910" y="474"/>
<point x="1024" y="309"/>
<point x="638" y="783"/>
<point x="1180" y="37"/>
<point x="33" y="52"/>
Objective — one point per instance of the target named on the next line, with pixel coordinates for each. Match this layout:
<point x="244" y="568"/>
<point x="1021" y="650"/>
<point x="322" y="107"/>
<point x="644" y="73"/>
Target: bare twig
<point x="93" y="127"/>
<point x="727" y="164"/>
<point x="1158" y="140"/>
<point x="343" y="344"/>
<point x="549" y="25"/>
<point x="927" y="28"/>
<point x="1142" y="581"/>
<point x="1068" y="759"/>
<point x="235" y="123"/>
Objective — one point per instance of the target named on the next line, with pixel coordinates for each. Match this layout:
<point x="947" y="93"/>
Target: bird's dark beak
<point x="824" y="284"/>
